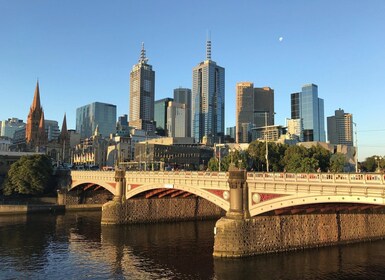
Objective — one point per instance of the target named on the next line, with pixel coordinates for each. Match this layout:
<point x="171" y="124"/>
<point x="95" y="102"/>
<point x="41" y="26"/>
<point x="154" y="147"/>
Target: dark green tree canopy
<point x="29" y="175"/>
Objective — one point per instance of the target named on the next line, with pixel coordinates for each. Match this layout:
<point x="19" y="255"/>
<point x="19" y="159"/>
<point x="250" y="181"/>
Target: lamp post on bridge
<point x="220" y="146"/>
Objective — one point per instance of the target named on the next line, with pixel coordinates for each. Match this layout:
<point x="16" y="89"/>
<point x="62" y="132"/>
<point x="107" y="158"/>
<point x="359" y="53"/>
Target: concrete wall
<point x="265" y="234"/>
<point x="159" y="210"/>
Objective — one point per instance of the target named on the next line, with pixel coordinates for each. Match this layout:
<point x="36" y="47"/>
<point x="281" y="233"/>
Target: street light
<point x="378" y="159"/>
<point x="356" y="144"/>
<point x="220" y="146"/>
<point x="267" y="147"/>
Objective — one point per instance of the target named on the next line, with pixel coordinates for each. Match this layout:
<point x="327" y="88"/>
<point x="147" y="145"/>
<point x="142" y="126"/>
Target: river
<point x="75" y="246"/>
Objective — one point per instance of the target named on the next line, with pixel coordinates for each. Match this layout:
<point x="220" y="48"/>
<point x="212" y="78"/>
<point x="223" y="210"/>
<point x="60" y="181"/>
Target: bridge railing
<point x="359" y="178"/>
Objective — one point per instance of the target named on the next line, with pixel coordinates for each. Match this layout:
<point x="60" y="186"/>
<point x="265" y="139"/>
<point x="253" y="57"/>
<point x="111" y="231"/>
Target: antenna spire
<point x="208" y="46"/>
<point x="143" y="58"/>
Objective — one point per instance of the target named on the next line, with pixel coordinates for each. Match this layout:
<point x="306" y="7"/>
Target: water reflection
<point x="76" y="246"/>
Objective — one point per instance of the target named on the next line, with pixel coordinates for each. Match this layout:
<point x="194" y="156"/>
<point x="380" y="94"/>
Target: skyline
<point x="83" y="53"/>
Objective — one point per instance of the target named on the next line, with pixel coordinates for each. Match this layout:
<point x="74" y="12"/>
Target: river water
<point x="76" y="246"/>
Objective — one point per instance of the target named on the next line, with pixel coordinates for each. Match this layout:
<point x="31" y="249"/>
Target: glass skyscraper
<point x="307" y="106"/>
<point x="94" y="115"/>
<point x="208" y="100"/>
<point x="160" y="114"/>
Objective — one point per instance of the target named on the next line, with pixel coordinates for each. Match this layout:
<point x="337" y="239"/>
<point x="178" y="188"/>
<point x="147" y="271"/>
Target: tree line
<point x="294" y="159"/>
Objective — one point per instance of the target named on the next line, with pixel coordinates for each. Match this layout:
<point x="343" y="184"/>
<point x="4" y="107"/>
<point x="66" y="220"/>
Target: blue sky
<point x="83" y="51"/>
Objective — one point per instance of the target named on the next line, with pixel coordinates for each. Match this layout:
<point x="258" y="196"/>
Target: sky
<point x="83" y="51"/>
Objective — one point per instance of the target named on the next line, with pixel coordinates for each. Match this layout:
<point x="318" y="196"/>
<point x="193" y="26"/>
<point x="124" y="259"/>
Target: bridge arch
<point x="213" y="198"/>
<point x="101" y="183"/>
<point x="290" y="201"/>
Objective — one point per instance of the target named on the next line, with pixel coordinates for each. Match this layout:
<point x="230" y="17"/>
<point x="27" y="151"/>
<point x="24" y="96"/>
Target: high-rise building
<point x="177" y="121"/>
<point x="183" y="96"/>
<point x="208" y="100"/>
<point x="8" y="127"/>
<point x="52" y="129"/>
<point x="340" y="128"/>
<point x="35" y="129"/>
<point x="94" y="115"/>
<point x="142" y="94"/>
<point x="160" y="115"/>
<point x="254" y="109"/>
<point x="307" y="106"/>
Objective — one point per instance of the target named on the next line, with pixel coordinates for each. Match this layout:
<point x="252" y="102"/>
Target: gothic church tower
<point x="35" y="135"/>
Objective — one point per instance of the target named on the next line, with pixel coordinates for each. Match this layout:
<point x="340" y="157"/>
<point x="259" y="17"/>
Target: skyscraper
<point x="208" y="100"/>
<point x="183" y="96"/>
<point x="177" y="121"/>
<point x="94" y="115"/>
<point x="254" y="108"/>
<point x="142" y="94"/>
<point x="340" y="128"/>
<point x="160" y="115"/>
<point x="307" y="106"/>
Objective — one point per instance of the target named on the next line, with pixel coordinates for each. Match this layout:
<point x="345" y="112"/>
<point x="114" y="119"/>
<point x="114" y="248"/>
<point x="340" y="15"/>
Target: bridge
<point x="262" y="193"/>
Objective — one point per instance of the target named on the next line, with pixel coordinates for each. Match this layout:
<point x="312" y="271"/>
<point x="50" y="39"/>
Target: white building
<point x="177" y="120"/>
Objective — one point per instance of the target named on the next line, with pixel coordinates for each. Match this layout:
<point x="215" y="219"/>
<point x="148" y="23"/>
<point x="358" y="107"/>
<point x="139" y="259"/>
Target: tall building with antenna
<point x="208" y="100"/>
<point x="142" y="94"/>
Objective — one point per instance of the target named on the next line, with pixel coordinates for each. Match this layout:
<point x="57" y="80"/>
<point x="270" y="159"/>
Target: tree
<point x="337" y="162"/>
<point x="369" y="165"/>
<point x="322" y="155"/>
<point x="29" y="175"/>
<point x="293" y="158"/>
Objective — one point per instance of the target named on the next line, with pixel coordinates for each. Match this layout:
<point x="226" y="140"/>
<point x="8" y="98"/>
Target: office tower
<point x="8" y="127"/>
<point x="52" y="129"/>
<point x="142" y="94"/>
<point x="254" y="109"/>
<point x="208" y="100"/>
<point x="183" y="96"/>
<point x="307" y="106"/>
<point x="340" y="128"/>
<point x="160" y="115"/>
<point x="177" y="120"/>
<point x="230" y="131"/>
<point x="96" y="114"/>
<point x="35" y="130"/>
<point x="122" y="127"/>
<point x="294" y="128"/>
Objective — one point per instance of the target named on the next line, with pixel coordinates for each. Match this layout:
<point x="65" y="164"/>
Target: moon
<point x="280" y="39"/>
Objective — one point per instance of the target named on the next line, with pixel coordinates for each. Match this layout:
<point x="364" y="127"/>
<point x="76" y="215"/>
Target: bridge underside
<point x="164" y="192"/>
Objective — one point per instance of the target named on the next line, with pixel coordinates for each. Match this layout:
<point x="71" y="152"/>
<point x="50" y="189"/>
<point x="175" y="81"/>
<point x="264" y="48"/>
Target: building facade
<point x="307" y="106"/>
<point x="177" y="120"/>
<point x="142" y="94"/>
<point x="8" y="127"/>
<point x="254" y="109"/>
<point x="183" y="96"/>
<point x="94" y="115"/>
<point x="208" y="100"/>
<point x="340" y="128"/>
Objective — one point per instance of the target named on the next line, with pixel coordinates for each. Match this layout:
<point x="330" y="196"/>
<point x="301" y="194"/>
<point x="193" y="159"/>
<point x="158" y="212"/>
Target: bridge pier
<point x="112" y="211"/>
<point x="232" y="231"/>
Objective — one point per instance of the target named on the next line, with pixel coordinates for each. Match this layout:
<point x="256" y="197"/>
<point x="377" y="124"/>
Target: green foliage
<point x="212" y="165"/>
<point x="29" y="175"/>
<point x="322" y="155"/>
<point x="337" y="163"/>
<point x="369" y="165"/>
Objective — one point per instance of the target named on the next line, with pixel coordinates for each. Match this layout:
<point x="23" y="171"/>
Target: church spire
<point x="36" y="98"/>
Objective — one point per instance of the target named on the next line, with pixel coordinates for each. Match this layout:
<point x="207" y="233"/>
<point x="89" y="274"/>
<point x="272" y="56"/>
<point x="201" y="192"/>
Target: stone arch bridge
<point x="248" y="194"/>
